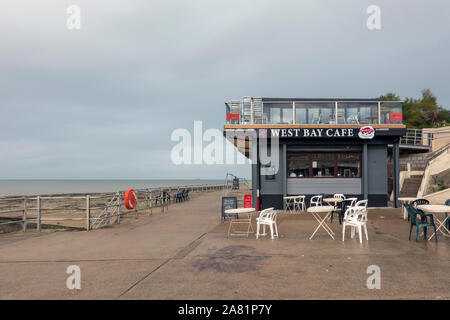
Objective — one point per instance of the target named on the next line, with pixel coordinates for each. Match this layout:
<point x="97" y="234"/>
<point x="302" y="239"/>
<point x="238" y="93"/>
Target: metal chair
<point x="422" y="223"/>
<point x="185" y="194"/>
<point x="179" y="196"/>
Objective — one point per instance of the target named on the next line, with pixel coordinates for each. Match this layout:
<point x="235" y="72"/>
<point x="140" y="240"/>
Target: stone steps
<point x="411" y="186"/>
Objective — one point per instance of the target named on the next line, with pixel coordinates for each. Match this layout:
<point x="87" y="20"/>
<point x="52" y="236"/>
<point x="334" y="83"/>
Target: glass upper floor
<point x="313" y="111"/>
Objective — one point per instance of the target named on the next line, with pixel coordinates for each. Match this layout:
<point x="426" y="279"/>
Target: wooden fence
<point x="89" y="211"/>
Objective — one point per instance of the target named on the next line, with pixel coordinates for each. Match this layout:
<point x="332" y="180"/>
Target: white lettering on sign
<point x="317" y="133"/>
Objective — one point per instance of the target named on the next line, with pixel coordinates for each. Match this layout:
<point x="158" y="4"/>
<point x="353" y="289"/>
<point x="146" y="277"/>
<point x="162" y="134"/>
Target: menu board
<point x="228" y="203"/>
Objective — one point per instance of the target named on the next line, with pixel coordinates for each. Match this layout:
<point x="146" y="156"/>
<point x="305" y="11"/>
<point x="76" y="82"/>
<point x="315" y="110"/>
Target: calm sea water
<point x="43" y="187"/>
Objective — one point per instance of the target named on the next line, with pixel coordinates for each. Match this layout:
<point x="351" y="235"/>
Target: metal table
<point x="315" y="212"/>
<point x="333" y="200"/>
<point x="436" y="209"/>
<point x="288" y="200"/>
<point x="245" y="221"/>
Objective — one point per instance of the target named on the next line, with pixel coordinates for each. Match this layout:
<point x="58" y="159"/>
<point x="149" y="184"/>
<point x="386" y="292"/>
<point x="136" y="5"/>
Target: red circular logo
<point x="130" y="199"/>
<point x="366" y="132"/>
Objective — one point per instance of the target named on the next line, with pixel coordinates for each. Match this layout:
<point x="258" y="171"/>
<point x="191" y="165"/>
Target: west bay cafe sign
<point x="366" y="132"/>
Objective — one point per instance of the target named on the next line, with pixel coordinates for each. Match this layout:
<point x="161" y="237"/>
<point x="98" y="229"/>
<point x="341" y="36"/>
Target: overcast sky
<point x="102" y="101"/>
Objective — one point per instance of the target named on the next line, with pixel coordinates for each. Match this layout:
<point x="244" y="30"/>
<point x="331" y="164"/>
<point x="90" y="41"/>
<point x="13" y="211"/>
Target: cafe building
<point x="323" y="146"/>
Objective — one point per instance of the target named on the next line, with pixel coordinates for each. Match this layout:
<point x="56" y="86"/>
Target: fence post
<point x="167" y="200"/>
<point x="24" y="225"/>
<point x="136" y="216"/>
<point x="88" y="212"/>
<point x="38" y="221"/>
<point x="151" y="202"/>
<point x="118" y="207"/>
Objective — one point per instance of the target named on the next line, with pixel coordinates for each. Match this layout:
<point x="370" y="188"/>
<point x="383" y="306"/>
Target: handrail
<point x="250" y="110"/>
<point x="108" y="203"/>
<point x="424" y="183"/>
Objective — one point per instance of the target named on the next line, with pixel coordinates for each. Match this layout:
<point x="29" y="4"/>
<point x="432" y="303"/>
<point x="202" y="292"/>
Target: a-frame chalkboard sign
<point x="228" y="203"/>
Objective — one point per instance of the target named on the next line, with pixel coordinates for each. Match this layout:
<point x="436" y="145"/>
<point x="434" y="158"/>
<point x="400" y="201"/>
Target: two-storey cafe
<point x="323" y="146"/>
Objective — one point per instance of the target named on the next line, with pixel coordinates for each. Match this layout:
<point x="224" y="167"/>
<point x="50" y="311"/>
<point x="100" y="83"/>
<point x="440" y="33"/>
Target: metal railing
<point x="89" y="211"/>
<point x="414" y="137"/>
<point x="423" y="137"/>
<point x="251" y="110"/>
<point x="426" y="174"/>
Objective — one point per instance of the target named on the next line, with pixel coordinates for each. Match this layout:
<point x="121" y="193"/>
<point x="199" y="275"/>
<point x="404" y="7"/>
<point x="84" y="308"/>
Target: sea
<point x="49" y="187"/>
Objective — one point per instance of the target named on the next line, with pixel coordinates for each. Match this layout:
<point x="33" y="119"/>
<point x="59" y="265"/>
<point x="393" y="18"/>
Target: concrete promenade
<point x="184" y="254"/>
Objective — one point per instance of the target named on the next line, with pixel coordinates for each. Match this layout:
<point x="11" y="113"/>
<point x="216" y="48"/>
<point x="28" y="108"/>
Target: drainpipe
<point x="395" y="158"/>
<point x="365" y="172"/>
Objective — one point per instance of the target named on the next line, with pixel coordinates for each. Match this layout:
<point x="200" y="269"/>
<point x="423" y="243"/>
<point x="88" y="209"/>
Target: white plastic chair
<point x="339" y="195"/>
<point x="299" y="204"/>
<point x="315" y="118"/>
<point x="267" y="217"/>
<point x="362" y="203"/>
<point x="356" y="218"/>
<point x="354" y="118"/>
<point x="315" y="201"/>
<point x="352" y="201"/>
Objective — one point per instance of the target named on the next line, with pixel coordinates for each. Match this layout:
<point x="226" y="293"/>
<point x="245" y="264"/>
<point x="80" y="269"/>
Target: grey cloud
<point x="102" y="102"/>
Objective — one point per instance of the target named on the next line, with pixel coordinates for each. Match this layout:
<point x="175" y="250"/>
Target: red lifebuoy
<point x="130" y="199"/>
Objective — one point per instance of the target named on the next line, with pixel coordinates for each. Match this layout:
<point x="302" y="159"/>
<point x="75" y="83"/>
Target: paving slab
<point x="185" y="254"/>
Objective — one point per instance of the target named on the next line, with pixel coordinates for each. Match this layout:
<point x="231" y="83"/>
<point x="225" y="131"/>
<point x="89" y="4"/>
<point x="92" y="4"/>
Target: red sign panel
<point x="232" y="116"/>
<point x="247" y="201"/>
<point x="396" y="116"/>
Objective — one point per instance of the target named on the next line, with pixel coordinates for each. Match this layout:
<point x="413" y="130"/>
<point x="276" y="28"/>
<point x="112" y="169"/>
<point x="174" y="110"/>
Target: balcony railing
<point x="266" y="111"/>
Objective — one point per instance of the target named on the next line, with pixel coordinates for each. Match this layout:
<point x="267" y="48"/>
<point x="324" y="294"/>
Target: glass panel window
<point x="348" y="169"/>
<point x="300" y="115"/>
<point x="391" y="112"/>
<point x="279" y="113"/>
<point x="314" y="113"/>
<point x="275" y="115"/>
<point x="357" y="112"/>
<point x="299" y="156"/>
<point x="322" y="156"/>
<point x="323" y="168"/>
<point x="324" y="164"/>
<point x="298" y="168"/>
<point x="344" y="156"/>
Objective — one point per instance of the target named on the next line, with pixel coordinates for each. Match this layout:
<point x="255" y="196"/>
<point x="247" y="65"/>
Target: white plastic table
<point x="333" y="200"/>
<point x="436" y="209"/>
<point x="288" y="200"/>
<point x="315" y="212"/>
<point x="406" y="200"/>
<point x="246" y="221"/>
